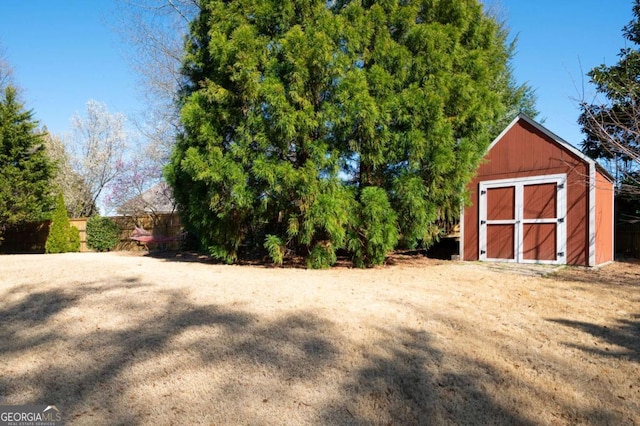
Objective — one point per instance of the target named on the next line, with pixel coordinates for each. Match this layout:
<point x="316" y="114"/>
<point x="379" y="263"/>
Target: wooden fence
<point x="28" y="237"/>
<point x="165" y="225"/>
<point x="31" y="237"/>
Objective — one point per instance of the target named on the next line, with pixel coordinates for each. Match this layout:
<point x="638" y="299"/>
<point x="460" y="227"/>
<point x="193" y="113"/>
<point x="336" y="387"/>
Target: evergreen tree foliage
<point x="62" y="237"/>
<point x="103" y="234"/>
<point x="25" y="169"/>
<point x="612" y="128"/>
<point x="376" y="230"/>
<point x="313" y="126"/>
<point x="74" y="239"/>
<point x="275" y="248"/>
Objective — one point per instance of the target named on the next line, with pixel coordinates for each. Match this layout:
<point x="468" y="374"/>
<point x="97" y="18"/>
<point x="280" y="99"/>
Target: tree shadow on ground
<point x="182" y="256"/>
<point x="522" y="269"/>
<point x="413" y="258"/>
<point x="625" y="334"/>
<point x="101" y="356"/>
<point x="618" y="275"/>
<point x="404" y="383"/>
<point x="52" y="352"/>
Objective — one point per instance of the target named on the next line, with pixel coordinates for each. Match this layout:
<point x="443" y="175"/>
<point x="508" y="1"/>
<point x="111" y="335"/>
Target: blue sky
<point x="65" y="52"/>
<point x="558" y="43"/>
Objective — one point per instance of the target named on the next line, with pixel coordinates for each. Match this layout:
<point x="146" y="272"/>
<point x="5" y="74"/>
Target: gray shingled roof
<point x="158" y="199"/>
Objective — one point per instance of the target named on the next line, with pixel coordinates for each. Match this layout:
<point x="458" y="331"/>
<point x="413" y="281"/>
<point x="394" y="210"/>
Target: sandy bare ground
<point x="129" y="339"/>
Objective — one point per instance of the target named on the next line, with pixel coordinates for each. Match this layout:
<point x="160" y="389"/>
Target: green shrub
<point x="322" y="256"/>
<point x="74" y="239"/>
<point x="377" y="231"/>
<point x="62" y="237"/>
<point x="102" y="233"/>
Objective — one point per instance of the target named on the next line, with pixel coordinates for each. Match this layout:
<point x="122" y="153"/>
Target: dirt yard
<point x="130" y="339"/>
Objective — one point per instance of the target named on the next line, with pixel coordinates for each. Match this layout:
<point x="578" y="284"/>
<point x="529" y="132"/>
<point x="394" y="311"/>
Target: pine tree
<point x="25" y="170"/>
<point x="314" y="126"/>
<point x="62" y="237"/>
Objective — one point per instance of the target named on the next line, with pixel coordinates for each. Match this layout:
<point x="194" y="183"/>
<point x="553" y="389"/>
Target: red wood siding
<point x="539" y="241"/>
<point x="540" y="201"/>
<point x="470" y="224"/>
<point x="604" y="219"/>
<point x="500" y="241"/>
<point x="501" y="203"/>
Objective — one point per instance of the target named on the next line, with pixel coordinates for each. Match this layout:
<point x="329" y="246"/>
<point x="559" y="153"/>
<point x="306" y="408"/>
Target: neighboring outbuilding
<point x="156" y="200"/>
<point x="538" y="199"/>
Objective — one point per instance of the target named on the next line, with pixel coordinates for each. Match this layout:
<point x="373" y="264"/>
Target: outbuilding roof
<point x="158" y="200"/>
<point x="557" y="139"/>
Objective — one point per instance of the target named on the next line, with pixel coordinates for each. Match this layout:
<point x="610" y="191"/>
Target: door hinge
<point x="561" y="220"/>
<point x="483" y="222"/>
<point x="561" y="254"/>
<point x="483" y="192"/>
<point x="483" y="252"/>
<point x="561" y="186"/>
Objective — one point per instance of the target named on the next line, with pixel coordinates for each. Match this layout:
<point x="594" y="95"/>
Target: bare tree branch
<point x="156" y="30"/>
<point x="6" y="72"/>
<point x="617" y="136"/>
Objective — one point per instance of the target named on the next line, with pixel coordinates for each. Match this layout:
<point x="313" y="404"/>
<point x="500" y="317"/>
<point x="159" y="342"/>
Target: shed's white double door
<point x="523" y="220"/>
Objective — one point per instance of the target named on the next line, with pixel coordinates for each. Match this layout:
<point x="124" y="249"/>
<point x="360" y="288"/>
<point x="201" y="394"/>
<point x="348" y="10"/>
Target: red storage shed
<point x="538" y="199"/>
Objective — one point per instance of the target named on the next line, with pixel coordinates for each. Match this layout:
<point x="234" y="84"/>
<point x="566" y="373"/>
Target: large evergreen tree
<point x="25" y="169"/>
<point x="312" y="126"/>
